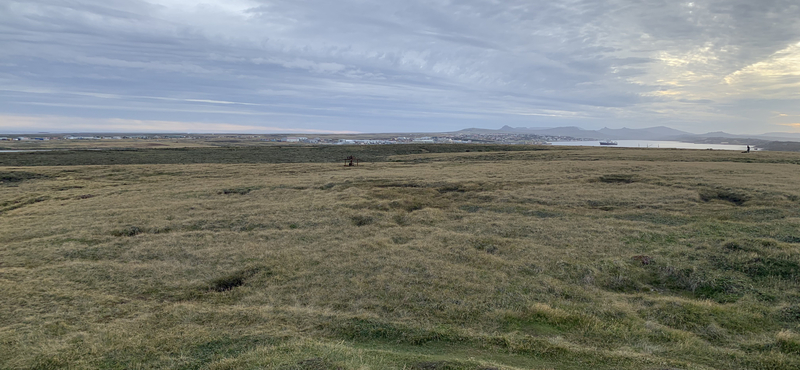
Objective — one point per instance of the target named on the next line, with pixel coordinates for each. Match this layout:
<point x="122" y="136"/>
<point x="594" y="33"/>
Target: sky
<point x="321" y="66"/>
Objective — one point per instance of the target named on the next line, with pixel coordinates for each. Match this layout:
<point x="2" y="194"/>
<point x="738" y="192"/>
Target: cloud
<point x="777" y="75"/>
<point x="795" y="126"/>
<point x="58" y="124"/>
<point x="696" y="101"/>
<point x="415" y="65"/>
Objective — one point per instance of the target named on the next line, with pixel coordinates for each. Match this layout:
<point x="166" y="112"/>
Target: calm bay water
<point x="656" y="144"/>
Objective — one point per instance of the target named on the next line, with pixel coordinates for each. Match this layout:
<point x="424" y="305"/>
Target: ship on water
<point x="608" y="142"/>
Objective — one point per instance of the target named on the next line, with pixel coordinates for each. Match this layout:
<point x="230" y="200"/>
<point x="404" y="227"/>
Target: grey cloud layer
<point x="411" y="65"/>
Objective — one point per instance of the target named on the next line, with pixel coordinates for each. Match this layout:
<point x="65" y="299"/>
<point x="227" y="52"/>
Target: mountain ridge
<point x="649" y="133"/>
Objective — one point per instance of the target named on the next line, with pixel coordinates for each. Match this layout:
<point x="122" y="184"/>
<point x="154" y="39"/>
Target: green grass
<point x="427" y="257"/>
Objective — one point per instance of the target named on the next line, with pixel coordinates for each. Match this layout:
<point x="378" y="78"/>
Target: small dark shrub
<point x="127" y="231"/>
<point x="401" y="239"/>
<point x="734" y="246"/>
<point x="236" y="279"/>
<point x="361" y="220"/>
<point x="240" y="191"/>
<point x="618" y="178"/>
<point x="486" y="245"/>
<point x="644" y="260"/>
<point x="451" y="189"/>
<point x="229" y="282"/>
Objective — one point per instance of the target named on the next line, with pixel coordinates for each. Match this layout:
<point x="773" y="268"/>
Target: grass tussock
<point x="430" y="258"/>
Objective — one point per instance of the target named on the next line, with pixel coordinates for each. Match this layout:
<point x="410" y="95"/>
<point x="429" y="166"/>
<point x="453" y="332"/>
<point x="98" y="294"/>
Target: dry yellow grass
<point x="543" y="259"/>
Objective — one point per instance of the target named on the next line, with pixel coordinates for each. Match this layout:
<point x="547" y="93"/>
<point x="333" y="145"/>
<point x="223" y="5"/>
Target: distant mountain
<point x="650" y="133"/>
<point x="475" y="130"/>
<point x="575" y="132"/>
<point x="718" y="134"/>
<point x="570" y="131"/>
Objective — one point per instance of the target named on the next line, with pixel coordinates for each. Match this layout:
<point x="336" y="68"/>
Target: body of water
<point x="26" y="150"/>
<point x="656" y="144"/>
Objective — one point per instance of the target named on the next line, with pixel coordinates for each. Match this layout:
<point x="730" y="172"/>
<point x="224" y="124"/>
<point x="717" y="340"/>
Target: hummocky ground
<point x="423" y="257"/>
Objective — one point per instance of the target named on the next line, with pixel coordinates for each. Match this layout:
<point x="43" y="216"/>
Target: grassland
<point x="425" y="257"/>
